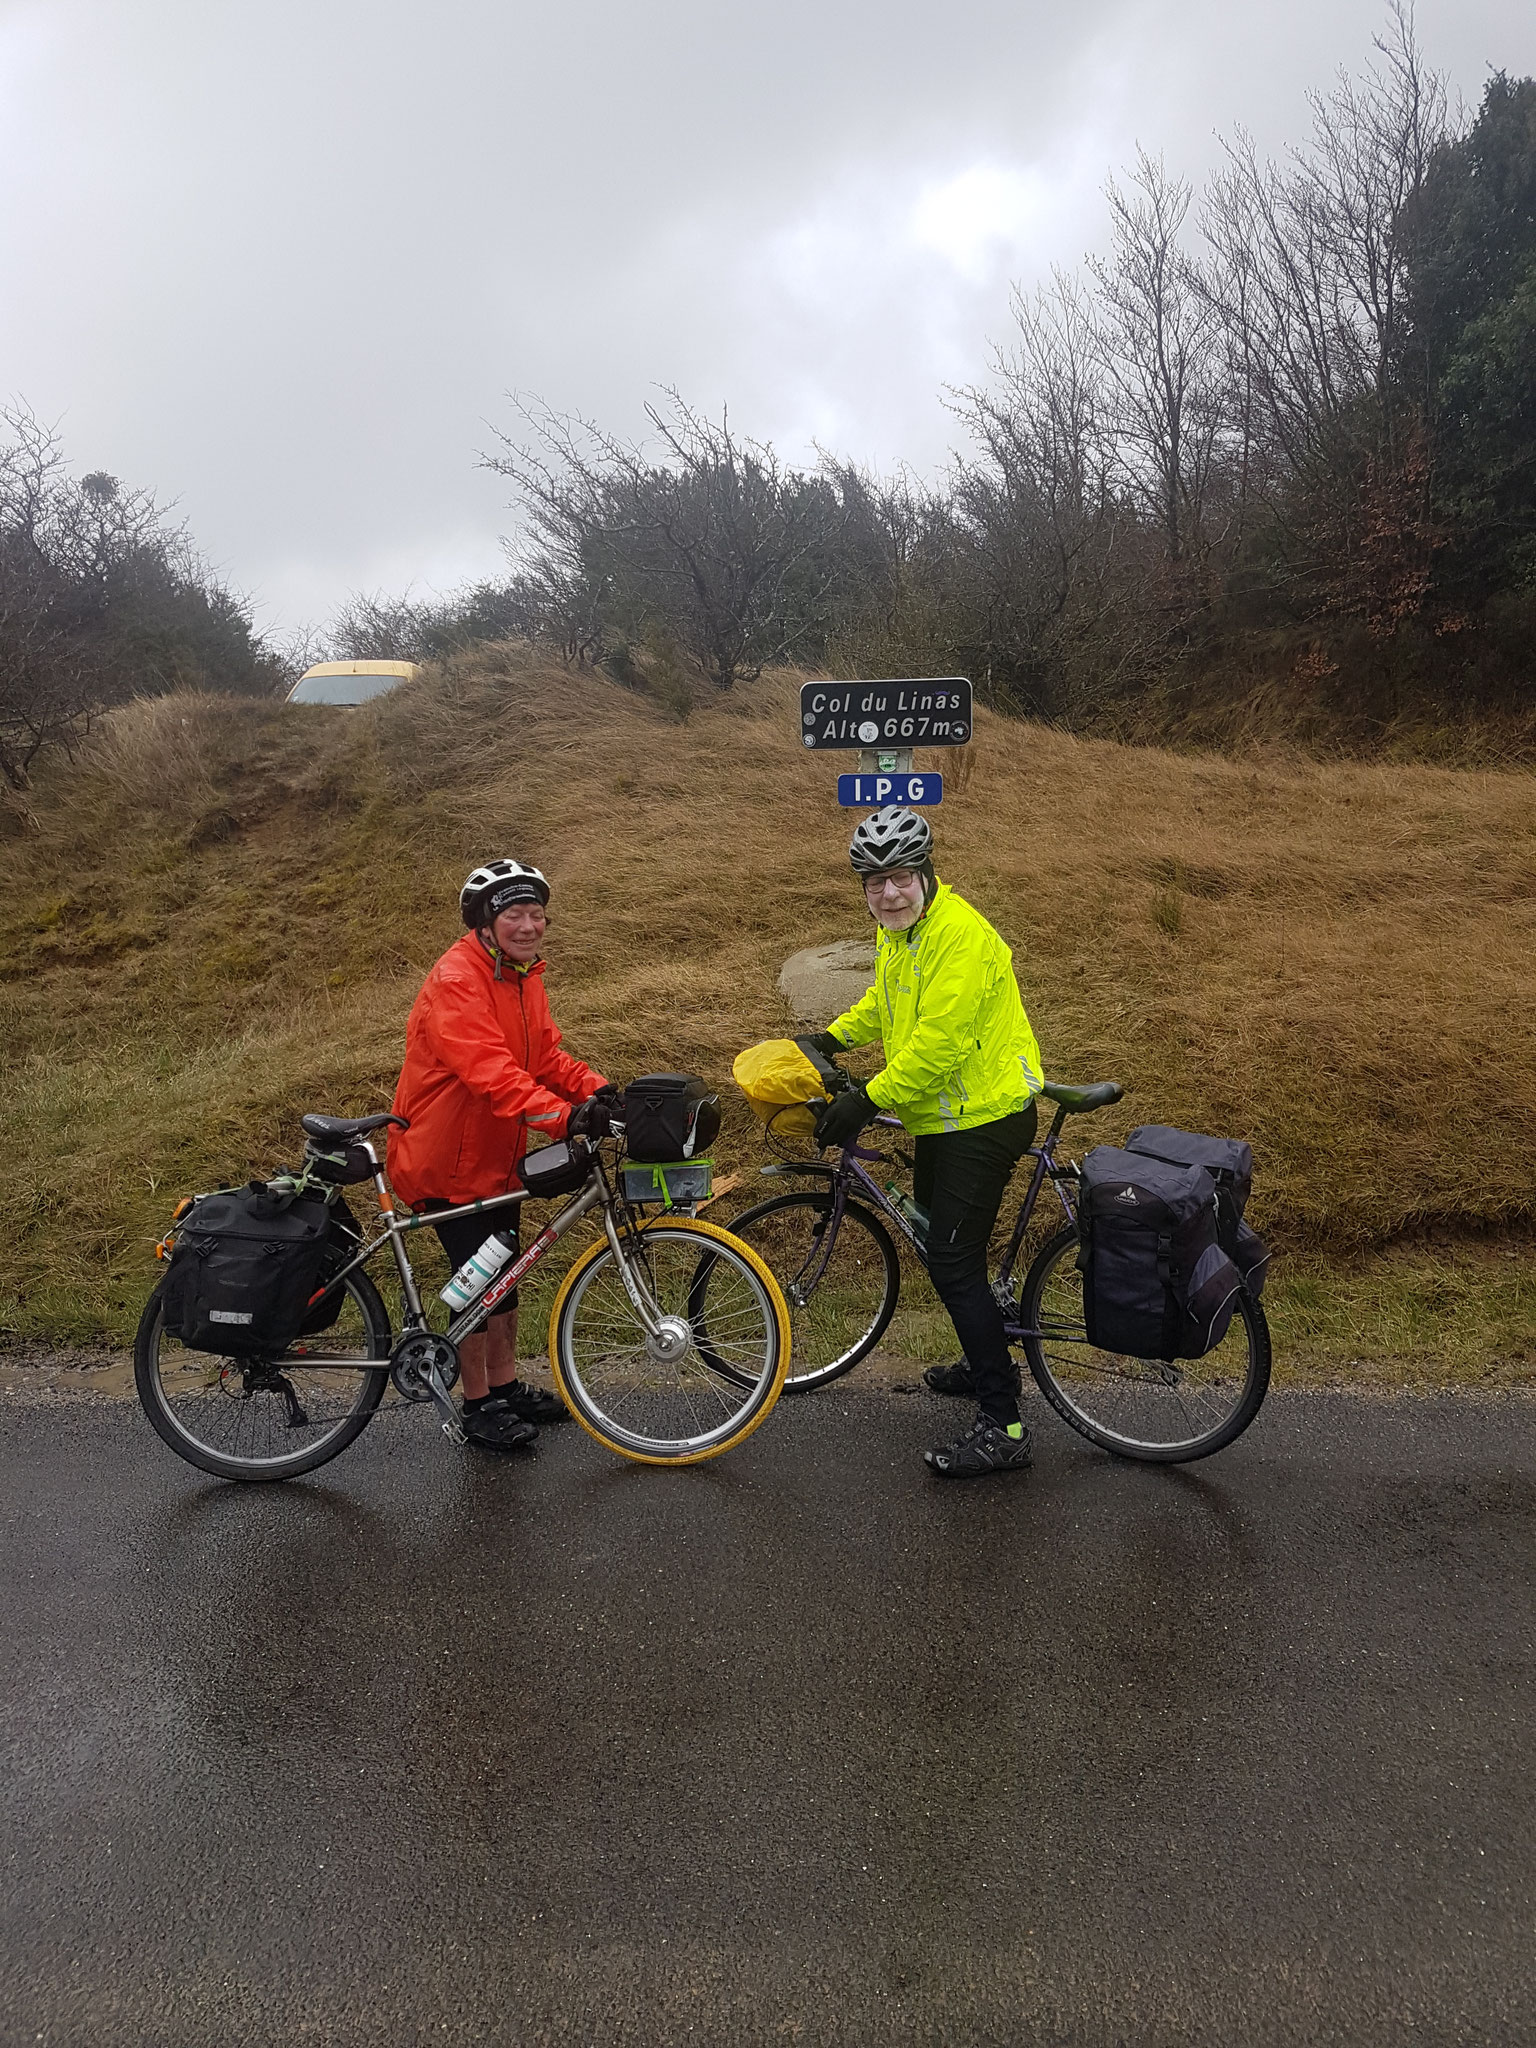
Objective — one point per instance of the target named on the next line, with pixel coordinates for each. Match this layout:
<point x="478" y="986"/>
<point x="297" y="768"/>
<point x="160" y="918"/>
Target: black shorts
<point x="462" y="1237"/>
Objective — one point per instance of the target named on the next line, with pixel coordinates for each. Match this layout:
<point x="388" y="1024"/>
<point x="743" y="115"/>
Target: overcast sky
<point x="282" y="261"/>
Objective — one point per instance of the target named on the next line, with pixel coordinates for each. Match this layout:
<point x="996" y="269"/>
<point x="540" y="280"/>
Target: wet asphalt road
<point x="798" y="1746"/>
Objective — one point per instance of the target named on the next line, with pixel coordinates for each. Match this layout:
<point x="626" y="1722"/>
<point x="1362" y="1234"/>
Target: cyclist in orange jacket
<point x="484" y="1081"/>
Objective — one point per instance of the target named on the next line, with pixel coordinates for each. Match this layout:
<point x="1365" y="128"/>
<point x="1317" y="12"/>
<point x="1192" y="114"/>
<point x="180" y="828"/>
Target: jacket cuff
<point x="549" y="1123"/>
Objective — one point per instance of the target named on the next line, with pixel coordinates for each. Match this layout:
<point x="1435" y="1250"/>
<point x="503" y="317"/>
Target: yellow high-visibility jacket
<point x="959" y="1050"/>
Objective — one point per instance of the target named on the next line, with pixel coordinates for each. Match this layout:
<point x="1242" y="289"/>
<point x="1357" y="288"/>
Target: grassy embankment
<point x="220" y="917"/>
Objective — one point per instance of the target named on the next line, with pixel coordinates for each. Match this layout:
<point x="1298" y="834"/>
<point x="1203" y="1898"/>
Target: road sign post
<point x="885" y="721"/>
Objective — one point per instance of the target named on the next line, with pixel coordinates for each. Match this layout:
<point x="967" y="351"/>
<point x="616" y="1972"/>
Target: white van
<point x="350" y="682"/>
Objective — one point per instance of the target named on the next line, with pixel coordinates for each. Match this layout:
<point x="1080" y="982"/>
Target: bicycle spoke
<point x="261" y="1416"/>
<point x="678" y="1386"/>
<point x="841" y="1293"/>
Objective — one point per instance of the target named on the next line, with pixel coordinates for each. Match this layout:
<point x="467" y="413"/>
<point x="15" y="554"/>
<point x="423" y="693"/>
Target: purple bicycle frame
<point x="851" y="1171"/>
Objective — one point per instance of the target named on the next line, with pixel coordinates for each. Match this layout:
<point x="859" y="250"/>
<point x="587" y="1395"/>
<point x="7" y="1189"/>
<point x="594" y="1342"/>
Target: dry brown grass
<point x="223" y="913"/>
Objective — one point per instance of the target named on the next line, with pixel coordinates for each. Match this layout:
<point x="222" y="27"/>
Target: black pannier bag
<point x="1229" y="1162"/>
<point x="246" y="1265"/>
<point x="669" y="1117"/>
<point x="342" y="1242"/>
<point x="1156" y="1281"/>
<point x="553" y="1170"/>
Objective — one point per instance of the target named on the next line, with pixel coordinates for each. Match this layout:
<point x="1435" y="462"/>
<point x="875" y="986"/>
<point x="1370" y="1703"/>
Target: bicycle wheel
<point x="711" y="1372"/>
<point x="1164" y="1412"/>
<point x="839" y="1305"/>
<point x="268" y="1419"/>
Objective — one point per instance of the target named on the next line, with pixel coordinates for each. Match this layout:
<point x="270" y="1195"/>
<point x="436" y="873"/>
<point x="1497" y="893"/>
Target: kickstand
<point x="453" y="1429"/>
<point x="297" y="1419"/>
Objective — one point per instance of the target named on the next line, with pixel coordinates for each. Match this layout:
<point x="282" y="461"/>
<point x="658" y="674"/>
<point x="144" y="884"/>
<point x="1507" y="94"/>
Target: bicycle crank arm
<point x="453" y="1429"/>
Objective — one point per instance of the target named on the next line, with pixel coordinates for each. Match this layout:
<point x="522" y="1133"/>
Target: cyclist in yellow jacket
<point x="962" y="1071"/>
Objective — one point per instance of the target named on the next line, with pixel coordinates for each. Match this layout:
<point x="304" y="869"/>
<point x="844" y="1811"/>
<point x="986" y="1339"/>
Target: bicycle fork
<point x="645" y="1309"/>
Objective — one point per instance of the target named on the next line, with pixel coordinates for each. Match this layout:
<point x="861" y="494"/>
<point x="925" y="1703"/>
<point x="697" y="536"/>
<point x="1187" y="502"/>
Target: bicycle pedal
<point x="454" y="1431"/>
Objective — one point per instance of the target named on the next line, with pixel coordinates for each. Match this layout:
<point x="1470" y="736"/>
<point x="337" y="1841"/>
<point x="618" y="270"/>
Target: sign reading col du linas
<point x="926" y="712"/>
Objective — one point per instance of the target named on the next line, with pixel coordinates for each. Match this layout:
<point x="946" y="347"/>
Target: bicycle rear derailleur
<point x="424" y="1366"/>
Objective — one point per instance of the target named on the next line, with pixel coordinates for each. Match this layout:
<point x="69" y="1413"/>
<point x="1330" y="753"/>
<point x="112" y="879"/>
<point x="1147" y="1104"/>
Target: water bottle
<point x="915" y="1215"/>
<point x="479" y="1270"/>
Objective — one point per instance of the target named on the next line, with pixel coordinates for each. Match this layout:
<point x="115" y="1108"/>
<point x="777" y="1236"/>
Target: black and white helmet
<point x="493" y="888"/>
<point x="892" y="838"/>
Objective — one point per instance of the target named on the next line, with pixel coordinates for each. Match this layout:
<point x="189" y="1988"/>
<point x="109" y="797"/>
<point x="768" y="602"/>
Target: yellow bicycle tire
<point x="693" y="1226"/>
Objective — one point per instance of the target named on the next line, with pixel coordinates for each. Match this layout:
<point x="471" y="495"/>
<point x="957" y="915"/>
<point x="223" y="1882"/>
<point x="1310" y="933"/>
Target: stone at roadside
<point x="822" y="981"/>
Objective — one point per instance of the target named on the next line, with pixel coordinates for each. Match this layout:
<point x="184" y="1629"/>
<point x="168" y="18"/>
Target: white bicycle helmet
<point x="499" y="883"/>
<point x="892" y="838"/>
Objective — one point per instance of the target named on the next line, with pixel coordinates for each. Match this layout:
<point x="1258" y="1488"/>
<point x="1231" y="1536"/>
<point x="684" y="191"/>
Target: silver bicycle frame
<point x="471" y="1319"/>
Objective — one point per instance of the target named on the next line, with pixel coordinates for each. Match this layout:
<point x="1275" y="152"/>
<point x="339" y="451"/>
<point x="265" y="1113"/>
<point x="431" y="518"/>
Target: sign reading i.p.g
<point x="921" y="712"/>
<point x="869" y="792"/>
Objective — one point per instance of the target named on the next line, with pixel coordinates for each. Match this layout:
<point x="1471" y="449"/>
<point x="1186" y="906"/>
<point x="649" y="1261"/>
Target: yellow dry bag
<point x="777" y="1079"/>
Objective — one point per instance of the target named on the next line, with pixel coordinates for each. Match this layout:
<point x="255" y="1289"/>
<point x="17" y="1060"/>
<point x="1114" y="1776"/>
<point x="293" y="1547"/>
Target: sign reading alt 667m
<point x="926" y="712"/>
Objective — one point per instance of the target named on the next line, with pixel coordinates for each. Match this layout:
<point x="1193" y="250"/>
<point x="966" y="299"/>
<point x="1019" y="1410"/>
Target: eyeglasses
<point x="899" y="878"/>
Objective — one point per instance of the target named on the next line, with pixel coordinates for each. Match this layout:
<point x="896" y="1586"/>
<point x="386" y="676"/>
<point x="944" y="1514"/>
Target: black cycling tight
<point x="961" y="1178"/>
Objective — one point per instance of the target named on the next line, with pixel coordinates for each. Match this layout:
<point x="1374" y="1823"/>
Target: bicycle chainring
<point x="412" y="1360"/>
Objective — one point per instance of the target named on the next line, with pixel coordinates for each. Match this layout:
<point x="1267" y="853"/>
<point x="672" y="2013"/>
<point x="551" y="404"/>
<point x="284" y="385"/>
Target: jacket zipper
<point x="522" y="1004"/>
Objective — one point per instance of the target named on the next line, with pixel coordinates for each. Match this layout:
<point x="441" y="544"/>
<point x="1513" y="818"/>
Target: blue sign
<point x="869" y="792"/>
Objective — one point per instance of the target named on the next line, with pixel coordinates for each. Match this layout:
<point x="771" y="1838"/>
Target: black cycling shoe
<point x="494" y="1426"/>
<point x="533" y="1404"/>
<point x="985" y="1447"/>
<point x="958" y="1379"/>
<point x="952" y="1379"/>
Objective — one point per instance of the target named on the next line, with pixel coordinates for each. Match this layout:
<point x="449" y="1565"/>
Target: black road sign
<point x="934" y="711"/>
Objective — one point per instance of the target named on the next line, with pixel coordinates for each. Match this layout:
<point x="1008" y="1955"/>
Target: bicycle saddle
<point x="1094" y="1096"/>
<point x="348" y="1126"/>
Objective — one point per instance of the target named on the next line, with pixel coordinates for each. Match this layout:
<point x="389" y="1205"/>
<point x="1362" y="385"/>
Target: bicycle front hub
<point x="670" y="1341"/>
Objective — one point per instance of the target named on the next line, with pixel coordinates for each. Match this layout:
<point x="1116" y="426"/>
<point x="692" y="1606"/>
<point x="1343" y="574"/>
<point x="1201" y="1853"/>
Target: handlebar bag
<point x="245" y="1267"/>
<point x="669" y="1116"/>
<point x="1229" y="1162"/>
<point x="1157" y="1282"/>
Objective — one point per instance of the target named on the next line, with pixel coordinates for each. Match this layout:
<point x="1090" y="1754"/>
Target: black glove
<point x="821" y="1042"/>
<point x="611" y="1094"/>
<point x="590" y="1119"/>
<point x="844" y="1117"/>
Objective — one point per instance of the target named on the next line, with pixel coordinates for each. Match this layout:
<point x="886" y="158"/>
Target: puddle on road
<point x="102" y="1375"/>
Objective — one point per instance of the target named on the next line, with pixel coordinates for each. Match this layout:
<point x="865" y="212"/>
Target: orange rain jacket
<point x="484" y="1079"/>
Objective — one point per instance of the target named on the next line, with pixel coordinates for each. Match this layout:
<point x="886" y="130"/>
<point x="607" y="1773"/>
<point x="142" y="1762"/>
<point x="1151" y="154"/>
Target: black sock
<point x="496" y="1394"/>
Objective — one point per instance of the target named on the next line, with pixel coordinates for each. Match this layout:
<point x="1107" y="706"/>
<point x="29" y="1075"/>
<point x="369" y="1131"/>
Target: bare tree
<point x="711" y="533"/>
<point x="51" y="673"/>
<point x="1041" y="428"/>
<point x="101" y="598"/>
<point x="1159" y="345"/>
<point x="882" y="524"/>
<point x="1045" y="540"/>
<point x="1309" y="271"/>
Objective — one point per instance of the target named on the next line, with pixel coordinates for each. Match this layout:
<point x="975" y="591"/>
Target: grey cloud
<point x="284" y="262"/>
